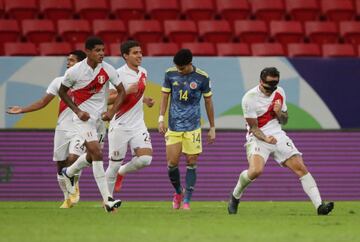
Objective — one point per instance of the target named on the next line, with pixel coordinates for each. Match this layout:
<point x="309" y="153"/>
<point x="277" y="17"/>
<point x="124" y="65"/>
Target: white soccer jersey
<point x="131" y="114"/>
<point x="89" y="86"/>
<point x="256" y="104"/>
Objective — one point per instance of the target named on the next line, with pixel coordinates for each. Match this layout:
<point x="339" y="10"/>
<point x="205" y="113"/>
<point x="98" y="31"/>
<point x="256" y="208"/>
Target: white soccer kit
<point x="256" y="104"/>
<point x="128" y="126"/>
<point x="89" y="89"/>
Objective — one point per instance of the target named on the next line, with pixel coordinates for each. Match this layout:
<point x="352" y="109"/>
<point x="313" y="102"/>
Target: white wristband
<point x="161" y="118"/>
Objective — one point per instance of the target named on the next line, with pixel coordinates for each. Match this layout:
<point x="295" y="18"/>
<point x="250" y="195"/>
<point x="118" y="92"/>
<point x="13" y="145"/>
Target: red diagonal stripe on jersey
<point x="132" y="98"/>
<point x="63" y="105"/>
<point x="269" y="114"/>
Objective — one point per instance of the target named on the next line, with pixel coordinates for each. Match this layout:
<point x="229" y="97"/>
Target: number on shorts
<point x="147" y="137"/>
<point x="196" y="138"/>
<point x="101" y="139"/>
<point x="79" y="146"/>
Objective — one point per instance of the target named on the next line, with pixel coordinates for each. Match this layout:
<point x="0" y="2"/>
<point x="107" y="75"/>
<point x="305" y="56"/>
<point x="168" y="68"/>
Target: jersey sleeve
<point x="248" y="106"/>
<point x="284" y="106"/>
<point x="69" y="77"/>
<point x="114" y="76"/>
<point x="166" y="87"/>
<point x="206" y="87"/>
<point x="53" y="87"/>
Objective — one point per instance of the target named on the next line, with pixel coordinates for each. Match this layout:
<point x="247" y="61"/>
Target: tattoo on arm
<point x="254" y="129"/>
<point x="282" y="117"/>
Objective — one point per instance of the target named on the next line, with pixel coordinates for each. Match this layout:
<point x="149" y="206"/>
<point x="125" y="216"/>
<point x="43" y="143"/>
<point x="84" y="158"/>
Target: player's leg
<point x="192" y="147"/>
<point x="173" y="151"/>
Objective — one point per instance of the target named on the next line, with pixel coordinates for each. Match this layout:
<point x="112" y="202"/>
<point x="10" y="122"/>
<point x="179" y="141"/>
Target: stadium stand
<point x="55" y="49"/>
<point x="233" y="49"/>
<point x="200" y="49"/>
<point x="55" y="10"/>
<point x="303" y="50"/>
<point x="37" y="31"/>
<point x="321" y="32"/>
<point x="267" y="49"/>
<point x="232" y="10"/>
<point x="268" y="10"/>
<point x="350" y="31"/>
<point x="198" y="10"/>
<point x="304" y="10"/>
<point x="286" y="31"/>
<point x="162" y="9"/>
<point x="162" y="49"/>
<point x="110" y="31"/>
<point x="127" y="10"/>
<point x="215" y="31"/>
<point x="114" y="49"/>
<point x="92" y="9"/>
<point x="338" y="50"/>
<point x="2" y="9"/>
<point x="251" y="31"/>
<point x="21" y="9"/>
<point x="145" y="31"/>
<point x="73" y="30"/>
<point x="20" y="49"/>
<point x="338" y="10"/>
<point x="9" y="30"/>
<point x="180" y="31"/>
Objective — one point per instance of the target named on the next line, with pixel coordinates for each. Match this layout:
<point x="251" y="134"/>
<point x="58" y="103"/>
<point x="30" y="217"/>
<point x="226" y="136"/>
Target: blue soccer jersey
<point x="186" y="91"/>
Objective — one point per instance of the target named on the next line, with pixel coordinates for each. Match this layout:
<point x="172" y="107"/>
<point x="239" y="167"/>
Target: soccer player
<point x="265" y="110"/>
<point x="184" y="84"/>
<point x="128" y="125"/>
<point x="88" y="81"/>
<point x="67" y="147"/>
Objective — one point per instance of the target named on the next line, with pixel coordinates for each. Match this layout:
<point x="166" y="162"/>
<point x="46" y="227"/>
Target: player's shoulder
<point x="201" y="72"/>
<point x="281" y="90"/>
<point x="121" y="69"/>
<point x="56" y="81"/>
<point x="108" y="67"/>
<point x="142" y="69"/>
<point x="251" y="94"/>
<point x="171" y="70"/>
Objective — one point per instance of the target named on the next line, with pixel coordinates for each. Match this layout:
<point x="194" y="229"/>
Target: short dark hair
<point x="269" y="71"/>
<point x="183" y="57"/>
<point x="80" y="55"/>
<point x="92" y="41"/>
<point x="127" y="45"/>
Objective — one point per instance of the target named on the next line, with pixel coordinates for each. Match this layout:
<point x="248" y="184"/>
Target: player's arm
<point x="112" y="96"/>
<point x="210" y="114"/>
<point x="163" y="106"/>
<point x="84" y="116"/>
<point x="256" y="131"/>
<point x="280" y="115"/>
<point x="120" y="97"/>
<point x="149" y="101"/>
<point x="37" y="105"/>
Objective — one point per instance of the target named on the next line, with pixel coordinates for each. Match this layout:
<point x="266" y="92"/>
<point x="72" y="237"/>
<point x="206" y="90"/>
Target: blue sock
<point x="174" y="175"/>
<point x="190" y="182"/>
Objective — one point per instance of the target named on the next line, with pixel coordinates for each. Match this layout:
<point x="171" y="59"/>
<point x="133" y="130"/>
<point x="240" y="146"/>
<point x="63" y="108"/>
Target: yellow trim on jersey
<point x="201" y="72"/>
<point x="171" y="69"/>
<point x="208" y="94"/>
<point x="165" y="89"/>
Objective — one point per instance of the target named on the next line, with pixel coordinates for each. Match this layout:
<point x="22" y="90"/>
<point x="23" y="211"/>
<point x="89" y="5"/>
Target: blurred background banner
<point x="321" y="92"/>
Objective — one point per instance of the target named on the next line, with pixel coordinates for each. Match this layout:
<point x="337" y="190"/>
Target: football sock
<point x="136" y="163"/>
<point x="77" y="166"/>
<point x="242" y="183"/>
<point x="309" y="185"/>
<point x="174" y="175"/>
<point x="99" y="175"/>
<point x="62" y="186"/>
<point x="111" y="173"/>
<point x="190" y="182"/>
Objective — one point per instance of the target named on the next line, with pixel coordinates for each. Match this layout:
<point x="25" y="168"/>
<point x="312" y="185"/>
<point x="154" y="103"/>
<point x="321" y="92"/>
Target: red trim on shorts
<point x="269" y="114"/>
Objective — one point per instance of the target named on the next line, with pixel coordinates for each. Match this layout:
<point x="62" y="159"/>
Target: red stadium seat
<point x="55" y="9"/>
<point x="321" y="32"/>
<point x="267" y="49"/>
<point x="232" y="10"/>
<point x="9" y="30"/>
<point x="20" y="49"/>
<point x="92" y="9"/>
<point x="55" y="49"/>
<point x="233" y="49"/>
<point x="338" y="50"/>
<point x="162" y="9"/>
<point x="21" y="9"/>
<point x="251" y="31"/>
<point x="114" y="49"/>
<point x="127" y="10"/>
<point x="162" y="49"/>
<point x="338" y="10"/>
<point x="304" y="10"/>
<point x="198" y="10"/>
<point x="268" y="10"/>
<point x="304" y="50"/>
<point x="146" y="31"/>
<point x="74" y="30"/>
<point x="287" y="31"/>
<point x="110" y="31"/>
<point x="37" y="31"/>
<point x="215" y="31"/>
<point x="2" y="10"/>
<point x="180" y="31"/>
<point x="200" y="49"/>
<point x="350" y="31"/>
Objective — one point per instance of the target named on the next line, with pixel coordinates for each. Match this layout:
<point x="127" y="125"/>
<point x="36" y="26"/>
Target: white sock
<point x="242" y="183"/>
<point x="62" y="186"/>
<point x="78" y="165"/>
<point x="77" y="177"/>
<point x="111" y="173"/>
<point x="136" y="163"/>
<point x="309" y="185"/>
<point x="99" y="175"/>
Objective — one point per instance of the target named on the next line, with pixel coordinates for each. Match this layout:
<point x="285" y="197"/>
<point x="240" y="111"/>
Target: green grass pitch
<point x="157" y="222"/>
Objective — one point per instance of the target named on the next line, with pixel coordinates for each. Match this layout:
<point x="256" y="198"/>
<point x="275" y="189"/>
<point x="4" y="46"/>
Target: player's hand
<point x="106" y="116"/>
<point x="14" y="110"/>
<point x="270" y="139"/>
<point x="83" y="116"/>
<point x="133" y="88"/>
<point x="211" y="135"/>
<point x="277" y="106"/>
<point x="162" y="128"/>
<point x="149" y="101"/>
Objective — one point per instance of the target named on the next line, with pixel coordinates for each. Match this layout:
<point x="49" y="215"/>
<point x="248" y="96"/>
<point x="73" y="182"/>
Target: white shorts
<point x="87" y="130"/>
<point x="281" y="151"/>
<point x="67" y="142"/>
<point x="120" y="139"/>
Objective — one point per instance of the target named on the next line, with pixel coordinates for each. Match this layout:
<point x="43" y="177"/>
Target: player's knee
<point x="145" y="160"/>
<point x="255" y="172"/>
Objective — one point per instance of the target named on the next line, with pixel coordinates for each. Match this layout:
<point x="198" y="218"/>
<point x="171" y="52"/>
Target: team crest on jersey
<point x="101" y="79"/>
<point x="193" y="85"/>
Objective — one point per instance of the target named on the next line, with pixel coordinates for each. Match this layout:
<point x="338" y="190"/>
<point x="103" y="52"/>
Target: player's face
<point x="270" y="84"/>
<point x="186" y="69"/>
<point x="96" y="54"/>
<point x="134" y="57"/>
<point x="71" y="60"/>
